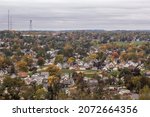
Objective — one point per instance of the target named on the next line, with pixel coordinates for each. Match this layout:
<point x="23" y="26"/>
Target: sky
<point x="76" y="14"/>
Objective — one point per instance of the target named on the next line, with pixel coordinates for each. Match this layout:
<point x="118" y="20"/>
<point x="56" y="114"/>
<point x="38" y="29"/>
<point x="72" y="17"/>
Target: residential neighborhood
<point x="74" y="65"/>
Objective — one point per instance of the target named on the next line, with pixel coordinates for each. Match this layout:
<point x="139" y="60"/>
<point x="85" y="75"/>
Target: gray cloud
<point x="73" y="14"/>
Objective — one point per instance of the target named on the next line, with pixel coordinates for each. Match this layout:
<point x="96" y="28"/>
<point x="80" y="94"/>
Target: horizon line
<point x="57" y="30"/>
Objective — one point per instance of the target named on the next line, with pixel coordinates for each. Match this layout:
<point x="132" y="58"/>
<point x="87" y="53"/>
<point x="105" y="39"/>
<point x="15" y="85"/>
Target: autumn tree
<point x="92" y="56"/>
<point x="53" y="87"/>
<point x="123" y="56"/>
<point x="147" y="63"/>
<point x="22" y="66"/>
<point x="2" y="60"/>
<point x="100" y="55"/>
<point x="53" y="70"/>
<point x="145" y="93"/>
<point x="71" y="60"/>
<point x="53" y="81"/>
<point x="28" y="59"/>
<point x="79" y="81"/>
<point x="115" y="55"/>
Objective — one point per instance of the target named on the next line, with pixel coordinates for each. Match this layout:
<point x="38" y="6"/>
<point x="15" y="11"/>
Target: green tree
<point x="40" y="94"/>
<point x="59" y="58"/>
<point x="68" y="50"/>
<point x="40" y="61"/>
<point x="136" y="82"/>
<point x="26" y="92"/>
<point x="13" y="87"/>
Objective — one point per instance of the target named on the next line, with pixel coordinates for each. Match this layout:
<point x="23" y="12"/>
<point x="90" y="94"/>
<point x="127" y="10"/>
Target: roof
<point x="148" y="73"/>
<point x="135" y="96"/>
<point x="22" y="74"/>
<point x="124" y="91"/>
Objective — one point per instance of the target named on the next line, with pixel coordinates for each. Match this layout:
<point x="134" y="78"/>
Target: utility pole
<point x="11" y="22"/>
<point x="30" y="26"/>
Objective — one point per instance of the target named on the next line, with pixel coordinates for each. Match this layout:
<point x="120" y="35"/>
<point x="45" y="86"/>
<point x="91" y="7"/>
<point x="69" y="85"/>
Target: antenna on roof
<point x="30" y="26"/>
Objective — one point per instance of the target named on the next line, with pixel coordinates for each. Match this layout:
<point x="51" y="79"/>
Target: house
<point x="65" y="65"/>
<point x="82" y="68"/>
<point x="13" y="76"/>
<point x="67" y="82"/>
<point x="147" y="74"/>
<point x="115" y="69"/>
<point x="134" y="96"/>
<point x="22" y="74"/>
<point x="124" y="92"/>
<point x="86" y="65"/>
<point x="1" y="79"/>
<point x="91" y="82"/>
<point x="71" y="68"/>
<point x="28" y="80"/>
<point x="79" y="62"/>
<point x="59" y="65"/>
<point x="44" y="74"/>
<point x="45" y="83"/>
<point x="94" y="68"/>
<point x="112" y="88"/>
<point x="3" y="72"/>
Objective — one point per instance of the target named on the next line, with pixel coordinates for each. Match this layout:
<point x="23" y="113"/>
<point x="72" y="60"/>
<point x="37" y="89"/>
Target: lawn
<point x="88" y="73"/>
<point x="127" y="43"/>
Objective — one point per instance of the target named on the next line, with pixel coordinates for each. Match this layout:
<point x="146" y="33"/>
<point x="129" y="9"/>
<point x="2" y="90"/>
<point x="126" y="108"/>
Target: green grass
<point x="127" y="43"/>
<point x="88" y="73"/>
<point x="66" y="71"/>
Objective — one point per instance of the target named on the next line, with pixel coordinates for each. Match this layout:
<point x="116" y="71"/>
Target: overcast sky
<point x="76" y="14"/>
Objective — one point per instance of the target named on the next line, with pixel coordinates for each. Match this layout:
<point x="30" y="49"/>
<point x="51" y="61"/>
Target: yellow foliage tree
<point x="52" y="80"/>
<point x="53" y="70"/>
<point x="2" y="60"/>
<point x="92" y="56"/>
<point x="53" y="86"/>
<point x="22" y="66"/>
<point x="71" y="60"/>
<point x="28" y="59"/>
